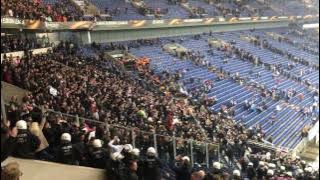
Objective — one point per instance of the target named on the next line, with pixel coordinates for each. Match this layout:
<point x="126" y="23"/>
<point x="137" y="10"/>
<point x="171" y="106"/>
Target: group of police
<point x="123" y="162"/>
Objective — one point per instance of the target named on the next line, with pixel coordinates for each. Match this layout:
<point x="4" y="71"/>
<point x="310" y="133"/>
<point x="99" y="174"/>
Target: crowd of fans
<point x="12" y="43"/>
<point x="66" y="10"/>
<point x="54" y="139"/>
<point x="61" y="11"/>
<point x="97" y="88"/>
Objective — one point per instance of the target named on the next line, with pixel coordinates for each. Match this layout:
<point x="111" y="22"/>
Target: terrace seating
<point x="118" y="9"/>
<point x="174" y="10"/>
<point x="290" y="121"/>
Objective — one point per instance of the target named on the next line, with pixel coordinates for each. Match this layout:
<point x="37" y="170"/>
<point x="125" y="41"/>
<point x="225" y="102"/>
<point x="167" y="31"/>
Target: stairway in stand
<point x="311" y="153"/>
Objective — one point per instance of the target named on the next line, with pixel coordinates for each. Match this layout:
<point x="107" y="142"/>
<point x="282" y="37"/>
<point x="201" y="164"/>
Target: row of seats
<point x="286" y="130"/>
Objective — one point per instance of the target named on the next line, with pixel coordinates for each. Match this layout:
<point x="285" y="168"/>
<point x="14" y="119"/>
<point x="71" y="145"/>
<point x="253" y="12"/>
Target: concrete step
<point x="310" y="153"/>
<point x="40" y="170"/>
<point x="9" y="90"/>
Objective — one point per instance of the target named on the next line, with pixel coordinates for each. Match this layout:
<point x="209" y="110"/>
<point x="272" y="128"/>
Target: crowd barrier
<point x="167" y="146"/>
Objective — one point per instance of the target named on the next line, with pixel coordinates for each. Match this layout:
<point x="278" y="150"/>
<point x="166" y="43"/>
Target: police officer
<point x="151" y="166"/>
<point x="132" y="155"/>
<point x="300" y="174"/>
<point x="261" y="170"/>
<point x="270" y="174"/>
<point x="126" y="152"/>
<point x="217" y="169"/>
<point x="65" y="152"/>
<point x="251" y="172"/>
<point x="97" y="156"/>
<point x="183" y="171"/>
<point x="26" y="142"/>
<point x="236" y="175"/>
<point x="115" y="167"/>
<point x="135" y="154"/>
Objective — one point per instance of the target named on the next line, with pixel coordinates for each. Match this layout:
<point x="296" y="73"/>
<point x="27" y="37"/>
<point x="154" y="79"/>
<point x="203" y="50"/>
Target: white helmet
<point x="271" y="165"/>
<point x="127" y="147"/>
<point x="298" y="157"/>
<point x="150" y="119"/>
<point x="250" y="164"/>
<point x="21" y="124"/>
<point x="97" y="143"/>
<point x="151" y="151"/>
<point x="66" y="137"/>
<point x="308" y="169"/>
<point x="289" y="174"/>
<point x="135" y="152"/>
<point x="261" y="163"/>
<point x="117" y="156"/>
<point x="270" y="172"/>
<point x="300" y="171"/>
<point x="216" y="165"/>
<point x="186" y="158"/>
<point x="236" y="173"/>
<point x="303" y="162"/>
<point x="282" y="168"/>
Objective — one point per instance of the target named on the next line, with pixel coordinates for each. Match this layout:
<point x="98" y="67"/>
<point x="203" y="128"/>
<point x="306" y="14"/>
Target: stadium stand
<point x="67" y="10"/>
<point x="211" y="105"/>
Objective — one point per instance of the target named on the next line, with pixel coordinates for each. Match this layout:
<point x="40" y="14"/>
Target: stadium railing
<point x="167" y="146"/>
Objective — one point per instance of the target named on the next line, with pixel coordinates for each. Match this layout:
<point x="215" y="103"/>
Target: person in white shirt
<point x="114" y="145"/>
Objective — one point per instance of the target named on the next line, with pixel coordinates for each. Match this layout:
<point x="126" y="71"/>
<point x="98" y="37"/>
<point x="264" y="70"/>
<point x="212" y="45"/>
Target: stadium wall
<point x="133" y="34"/>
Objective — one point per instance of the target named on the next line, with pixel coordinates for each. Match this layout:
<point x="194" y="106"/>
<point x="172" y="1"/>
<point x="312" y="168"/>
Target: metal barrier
<point x="167" y="147"/>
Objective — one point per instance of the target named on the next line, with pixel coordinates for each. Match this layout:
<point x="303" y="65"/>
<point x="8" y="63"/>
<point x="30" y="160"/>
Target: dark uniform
<point x="151" y="167"/>
<point x="26" y="144"/>
<point x="97" y="158"/>
<point x="251" y="173"/>
<point x="183" y="172"/>
<point x="261" y="173"/>
<point x="65" y="153"/>
<point x="115" y="170"/>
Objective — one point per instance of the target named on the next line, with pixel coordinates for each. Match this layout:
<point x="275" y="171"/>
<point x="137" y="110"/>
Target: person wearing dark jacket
<point x="133" y="155"/>
<point x="115" y="167"/>
<point x="132" y="171"/>
<point x="183" y="171"/>
<point x="127" y="148"/>
<point x="97" y="156"/>
<point x="8" y="141"/>
<point x="65" y="152"/>
<point x="151" y="166"/>
<point x="261" y="170"/>
<point x="26" y="143"/>
<point x="217" y="169"/>
<point x="251" y="173"/>
<point x="80" y="150"/>
<point x="236" y="174"/>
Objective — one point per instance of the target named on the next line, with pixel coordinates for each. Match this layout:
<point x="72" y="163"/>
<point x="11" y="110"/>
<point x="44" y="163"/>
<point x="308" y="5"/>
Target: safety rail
<point x="203" y="153"/>
<point x="167" y="146"/>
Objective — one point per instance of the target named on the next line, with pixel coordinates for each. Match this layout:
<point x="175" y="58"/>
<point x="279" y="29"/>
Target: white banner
<point x="157" y="21"/>
<point x="112" y="23"/>
<point x="9" y="20"/>
<point x="192" y="20"/>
